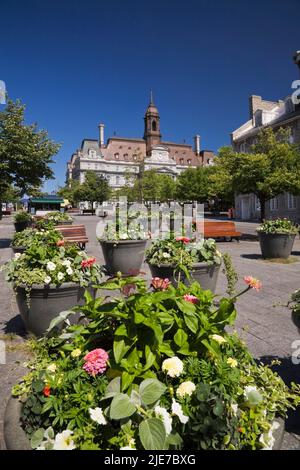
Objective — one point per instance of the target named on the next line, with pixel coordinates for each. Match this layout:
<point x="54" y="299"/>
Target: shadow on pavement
<point x="289" y="372"/>
<point x="251" y="256"/>
<point x="5" y="242"/>
<point x="15" y="325"/>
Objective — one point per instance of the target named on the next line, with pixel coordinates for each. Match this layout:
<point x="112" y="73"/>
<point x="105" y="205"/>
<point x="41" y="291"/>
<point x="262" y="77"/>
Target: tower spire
<point x="151" y="97"/>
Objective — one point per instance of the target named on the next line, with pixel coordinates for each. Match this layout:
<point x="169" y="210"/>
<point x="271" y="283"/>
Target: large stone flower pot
<point x="20" y="226"/>
<point x="296" y="320"/>
<point x="203" y="273"/>
<point x="276" y="245"/>
<point x="125" y="256"/>
<point x="18" y="249"/>
<point x="46" y="302"/>
<point x="16" y="439"/>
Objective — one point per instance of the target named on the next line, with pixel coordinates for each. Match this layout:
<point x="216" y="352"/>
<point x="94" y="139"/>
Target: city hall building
<point x="123" y="156"/>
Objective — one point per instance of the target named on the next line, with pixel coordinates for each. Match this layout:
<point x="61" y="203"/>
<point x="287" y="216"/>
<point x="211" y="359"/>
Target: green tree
<point x="25" y="152"/>
<point x="68" y="191"/>
<point x="193" y="184"/>
<point x="270" y="168"/>
<point x="94" y="189"/>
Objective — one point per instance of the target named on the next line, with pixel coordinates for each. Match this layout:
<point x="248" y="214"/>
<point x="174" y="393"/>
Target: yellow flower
<point x="76" y="352"/>
<point x="52" y="368"/>
<point x="185" y="388"/>
<point x="172" y="366"/>
<point x="232" y="362"/>
<point x="219" y="339"/>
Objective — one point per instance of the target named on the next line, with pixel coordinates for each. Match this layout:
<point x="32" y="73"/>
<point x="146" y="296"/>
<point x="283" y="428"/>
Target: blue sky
<point x="76" y="63"/>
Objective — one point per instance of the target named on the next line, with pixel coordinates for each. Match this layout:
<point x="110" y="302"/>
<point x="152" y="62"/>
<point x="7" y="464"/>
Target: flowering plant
<point x="31" y="236"/>
<point x="58" y="217"/>
<point x="169" y="251"/>
<point x="280" y="226"/>
<point x="22" y="216"/>
<point x="52" y="265"/>
<point x="169" y="377"/>
<point x="120" y="231"/>
<point x="205" y="251"/>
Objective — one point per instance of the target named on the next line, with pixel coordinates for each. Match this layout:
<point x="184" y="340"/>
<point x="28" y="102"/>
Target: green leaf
<point x="191" y="322"/>
<point x="218" y="409"/>
<point x="127" y="379"/>
<point x="37" y="438"/>
<point x="150" y="357"/>
<point x="113" y="388"/>
<point x="180" y="338"/>
<point x="119" y="350"/>
<point x="152" y="434"/>
<point x="121" y="407"/>
<point x="151" y="390"/>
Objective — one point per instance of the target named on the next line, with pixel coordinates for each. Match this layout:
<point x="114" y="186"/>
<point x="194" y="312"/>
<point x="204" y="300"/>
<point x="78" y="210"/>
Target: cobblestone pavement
<point x="263" y="319"/>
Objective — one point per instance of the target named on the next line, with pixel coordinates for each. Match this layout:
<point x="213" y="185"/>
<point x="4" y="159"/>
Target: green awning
<point x="47" y="201"/>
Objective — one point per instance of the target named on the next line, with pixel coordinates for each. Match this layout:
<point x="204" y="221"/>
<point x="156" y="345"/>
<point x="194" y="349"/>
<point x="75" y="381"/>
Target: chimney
<point x="254" y="104"/>
<point x="197" y="144"/>
<point x="101" y="135"/>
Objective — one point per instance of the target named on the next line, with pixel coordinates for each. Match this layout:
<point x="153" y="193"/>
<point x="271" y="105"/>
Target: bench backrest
<point x="71" y="230"/>
<point x="219" y="226"/>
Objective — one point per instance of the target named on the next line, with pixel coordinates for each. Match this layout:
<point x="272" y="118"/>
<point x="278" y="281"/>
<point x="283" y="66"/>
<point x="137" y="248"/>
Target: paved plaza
<point x="263" y="321"/>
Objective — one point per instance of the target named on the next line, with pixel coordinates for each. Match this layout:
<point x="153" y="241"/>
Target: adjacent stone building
<point x="121" y="156"/>
<point x="282" y="113"/>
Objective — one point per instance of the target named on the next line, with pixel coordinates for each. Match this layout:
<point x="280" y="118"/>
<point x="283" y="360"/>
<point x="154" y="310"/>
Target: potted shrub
<point x="123" y="249"/>
<point x="276" y="238"/>
<point x="49" y="279"/>
<point x="180" y="259"/>
<point x="28" y="237"/>
<point x="59" y="218"/>
<point x="172" y="378"/>
<point x="22" y="220"/>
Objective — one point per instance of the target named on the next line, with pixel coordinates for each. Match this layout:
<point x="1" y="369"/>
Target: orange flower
<point x="184" y="240"/>
<point x="60" y="243"/>
<point x="252" y="282"/>
<point x="47" y="391"/>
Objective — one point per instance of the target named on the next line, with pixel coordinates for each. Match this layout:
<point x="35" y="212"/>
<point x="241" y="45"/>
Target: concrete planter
<point x="20" y="226"/>
<point x="203" y="273"/>
<point x="296" y="320"/>
<point x="46" y="302"/>
<point x="276" y="245"/>
<point x="17" y="249"/>
<point x="16" y="439"/>
<point x="125" y="256"/>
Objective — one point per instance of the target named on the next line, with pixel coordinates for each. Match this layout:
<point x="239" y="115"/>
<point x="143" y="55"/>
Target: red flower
<point x="191" y="298"/>
<point x="47" y="391"/>
<point x="184" y="240"/>
<point x="60" y="243"/>
<point x="87" y="263"/>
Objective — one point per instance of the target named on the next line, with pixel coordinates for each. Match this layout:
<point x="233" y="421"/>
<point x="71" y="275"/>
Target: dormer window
<point x="92" y="153"/>
<point x="125" y="156"/>
<point x="189" y="162"/>
<point x="116" y="156"/>
<point x="181" y="161"/>
<point x="134" y="157"/>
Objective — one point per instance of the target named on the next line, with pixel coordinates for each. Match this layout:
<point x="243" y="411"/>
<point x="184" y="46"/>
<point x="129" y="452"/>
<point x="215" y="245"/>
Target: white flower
<point x="219" y="339"/>
<point x="185" y="388"/>
<point x="166" y="255"/>
<point x="234" y="408"/>
<point x="66" y="262"/>
<point x="166" y="418"/>
<point x="177" y="411"/>
<point x="17" y="255"/>
<point x="123" y="236"/>
<point x="267" y="439"/>
<point x="52" y="368"/>
<point x="97" y="415"/>
<point x="127" y="448"/>
<point x="70" y="271"/>
<point x="51" y="266"/>
<point x="41" y="448"/>
<point x="60" y="276"/>
<point x="173" y="366"/>
<point x="47" y="280"/>
<point x="63" y="441"/>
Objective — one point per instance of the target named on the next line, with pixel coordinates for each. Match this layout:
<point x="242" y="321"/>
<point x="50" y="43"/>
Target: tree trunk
<point x="262" y="202"/>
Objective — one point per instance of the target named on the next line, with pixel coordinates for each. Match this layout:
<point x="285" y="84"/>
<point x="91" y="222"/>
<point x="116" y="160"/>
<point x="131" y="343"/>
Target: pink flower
<point x="60" y="243"/>
<point x="252" y="282"/>
<point x="191" y="298"/>
<point x="87" y="263"/>
<point x="184" y="240"/>
<point x="160" y="284"/>
<point x="95" y="361"/>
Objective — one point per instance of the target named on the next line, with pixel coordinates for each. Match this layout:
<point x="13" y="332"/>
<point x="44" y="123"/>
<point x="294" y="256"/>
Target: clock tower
<point x="152" y="133"/>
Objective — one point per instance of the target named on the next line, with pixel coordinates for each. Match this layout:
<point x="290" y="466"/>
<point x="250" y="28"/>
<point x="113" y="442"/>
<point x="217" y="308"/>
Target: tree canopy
<point x="94" y="189"/>
<point x="25" y="152"/>
<point x="270" y="168"/>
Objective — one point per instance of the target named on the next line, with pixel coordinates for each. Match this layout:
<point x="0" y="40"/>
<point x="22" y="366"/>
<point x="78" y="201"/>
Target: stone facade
<point x="282" y="113"/>
<point x="121" y="156"/>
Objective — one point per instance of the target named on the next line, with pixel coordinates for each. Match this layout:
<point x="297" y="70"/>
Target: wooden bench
<point x="220" y="230"/>
<point x="88" y="211"/>
<point x="74" y="234"/>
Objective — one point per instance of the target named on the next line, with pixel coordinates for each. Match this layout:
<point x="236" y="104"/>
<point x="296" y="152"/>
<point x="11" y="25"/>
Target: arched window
<point x="154" y="125"/>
